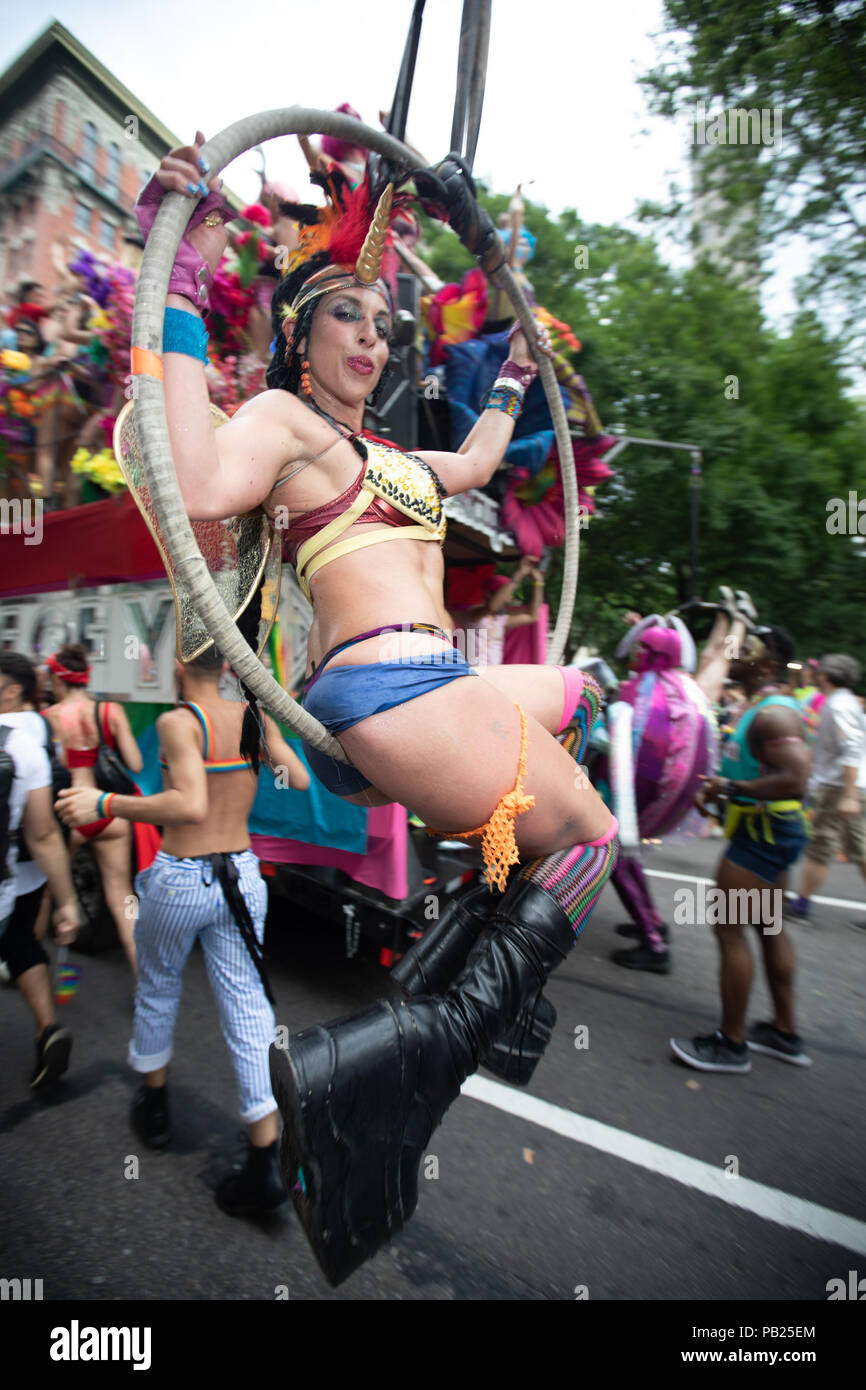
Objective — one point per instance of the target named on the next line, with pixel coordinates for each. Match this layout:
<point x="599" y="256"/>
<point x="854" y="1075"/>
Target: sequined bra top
<point x="393" y="488"/>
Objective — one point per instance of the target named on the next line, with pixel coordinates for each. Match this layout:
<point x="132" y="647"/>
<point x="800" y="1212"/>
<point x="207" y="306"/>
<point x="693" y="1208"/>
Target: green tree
<point x="805" y="59"/>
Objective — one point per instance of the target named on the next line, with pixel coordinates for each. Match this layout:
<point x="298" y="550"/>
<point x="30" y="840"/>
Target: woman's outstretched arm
<point x="484" y="447"/>
<point x="229" y="471"/>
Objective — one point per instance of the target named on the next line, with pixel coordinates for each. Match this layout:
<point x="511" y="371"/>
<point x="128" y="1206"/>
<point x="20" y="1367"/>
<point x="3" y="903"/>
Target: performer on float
<point x="360" y="1097"/>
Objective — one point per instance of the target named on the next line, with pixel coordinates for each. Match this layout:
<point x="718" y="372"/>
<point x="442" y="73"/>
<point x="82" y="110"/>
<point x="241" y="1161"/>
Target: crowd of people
<point x="203" y="881"/>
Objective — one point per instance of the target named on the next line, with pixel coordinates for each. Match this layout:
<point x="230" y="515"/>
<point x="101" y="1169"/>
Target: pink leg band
<point x="572" y="678"/>
<point x="606" y="838"/>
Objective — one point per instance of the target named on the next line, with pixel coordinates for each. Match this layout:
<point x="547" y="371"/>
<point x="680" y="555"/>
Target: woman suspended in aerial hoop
<point x="475" y="754"/>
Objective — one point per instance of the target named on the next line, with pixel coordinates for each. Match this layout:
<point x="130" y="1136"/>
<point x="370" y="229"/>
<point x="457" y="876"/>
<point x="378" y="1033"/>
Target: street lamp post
<point x="694" y="485"/>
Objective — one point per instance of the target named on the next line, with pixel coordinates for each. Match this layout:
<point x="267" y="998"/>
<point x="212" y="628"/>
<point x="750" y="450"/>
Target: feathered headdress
<point x="353" y="230"/>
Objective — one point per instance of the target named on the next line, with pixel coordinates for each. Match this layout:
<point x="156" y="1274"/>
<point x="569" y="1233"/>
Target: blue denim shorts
<point x="759" y="856"/>
<point x="344" y="695"/>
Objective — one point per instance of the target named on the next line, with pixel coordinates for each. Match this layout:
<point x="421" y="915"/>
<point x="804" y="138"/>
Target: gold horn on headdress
<point x="369" y="264"/>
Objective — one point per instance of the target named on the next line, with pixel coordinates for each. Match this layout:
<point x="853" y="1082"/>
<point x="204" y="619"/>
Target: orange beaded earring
<point x="306" y="384"/>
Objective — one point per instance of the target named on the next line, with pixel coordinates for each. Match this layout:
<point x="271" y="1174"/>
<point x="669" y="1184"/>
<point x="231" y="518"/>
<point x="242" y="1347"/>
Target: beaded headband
<point x="328" y="281"/>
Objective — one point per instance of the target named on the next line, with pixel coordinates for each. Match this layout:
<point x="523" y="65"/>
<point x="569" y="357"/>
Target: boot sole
<point x="296" y="1156"/>
<point x="663" y="968"/>
<point x="798" y="1060"/>
<point x="339" y="1182"/>
<point x="691" y="1061"/>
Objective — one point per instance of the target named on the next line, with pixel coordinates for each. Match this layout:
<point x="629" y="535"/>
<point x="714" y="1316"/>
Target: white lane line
<point x="769" y="1203"/>
<point x="695" y="878"/>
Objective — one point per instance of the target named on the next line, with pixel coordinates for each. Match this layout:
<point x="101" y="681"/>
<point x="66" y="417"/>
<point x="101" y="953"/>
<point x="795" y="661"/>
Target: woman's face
<point x="348" y="346"/>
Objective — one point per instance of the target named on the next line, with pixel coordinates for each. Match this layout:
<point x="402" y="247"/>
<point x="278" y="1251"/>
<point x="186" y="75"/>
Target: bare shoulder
<point x="776" y="719"/>
<point x="267" y="433"/>
<point x="178" y="726"/>
<point x="273" y="405"/>
<point x="777" y="723"/>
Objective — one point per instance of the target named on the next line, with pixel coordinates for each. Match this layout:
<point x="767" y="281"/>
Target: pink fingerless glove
<point x="191" y="275"/>
<point x="522" y="374"/>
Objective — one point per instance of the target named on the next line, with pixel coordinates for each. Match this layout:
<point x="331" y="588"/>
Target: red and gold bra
<point x="393" y="488"/>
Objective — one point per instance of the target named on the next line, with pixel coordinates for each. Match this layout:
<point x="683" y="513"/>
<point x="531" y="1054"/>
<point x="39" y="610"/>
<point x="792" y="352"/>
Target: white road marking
<point x="845" y="903"/>
<point x="769" y="1203"/>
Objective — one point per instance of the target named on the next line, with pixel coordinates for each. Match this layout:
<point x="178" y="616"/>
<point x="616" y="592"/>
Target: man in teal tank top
<point x="763" y="777"/>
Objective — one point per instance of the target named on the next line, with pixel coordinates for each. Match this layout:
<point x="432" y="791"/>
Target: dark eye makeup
<point x="347" y="311"/>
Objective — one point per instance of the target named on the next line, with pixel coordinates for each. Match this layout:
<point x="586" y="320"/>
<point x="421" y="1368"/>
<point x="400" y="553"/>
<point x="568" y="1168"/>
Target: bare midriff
<point x="394" y="583"/>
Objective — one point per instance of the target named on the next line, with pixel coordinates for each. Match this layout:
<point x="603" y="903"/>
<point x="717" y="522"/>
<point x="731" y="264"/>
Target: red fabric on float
<point x="98" y="543"/>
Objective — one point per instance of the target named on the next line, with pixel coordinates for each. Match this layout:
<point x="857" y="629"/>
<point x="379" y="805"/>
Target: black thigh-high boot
<point x="434" y="962"/>
<point x="429" y="966"/>
<point x="360" y="1097"/>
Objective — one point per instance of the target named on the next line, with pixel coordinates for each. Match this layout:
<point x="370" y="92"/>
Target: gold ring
<point x="214" y="219"/>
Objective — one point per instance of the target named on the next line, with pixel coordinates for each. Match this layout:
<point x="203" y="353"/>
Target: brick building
<point x="75" y="149"/>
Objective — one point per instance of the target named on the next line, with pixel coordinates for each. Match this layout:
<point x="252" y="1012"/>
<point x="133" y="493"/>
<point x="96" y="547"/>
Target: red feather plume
<point x="342" y="228"/>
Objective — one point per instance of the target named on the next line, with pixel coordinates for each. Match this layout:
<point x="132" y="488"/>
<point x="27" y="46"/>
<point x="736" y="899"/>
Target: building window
<point x="106" y="234"/>
<point x="87" y="160"/>
<point x="112" y="172"/>
<point x="82" y="218"/>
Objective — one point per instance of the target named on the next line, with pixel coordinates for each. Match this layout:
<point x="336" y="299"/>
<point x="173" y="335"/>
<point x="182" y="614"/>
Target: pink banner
<point x="382" y="867"/>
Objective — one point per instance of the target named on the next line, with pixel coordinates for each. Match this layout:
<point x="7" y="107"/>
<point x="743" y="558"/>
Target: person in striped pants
<point x="185" y="895"/>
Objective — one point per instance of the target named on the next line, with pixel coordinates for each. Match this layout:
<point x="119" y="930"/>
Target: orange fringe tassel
<point x="498" y="845"/>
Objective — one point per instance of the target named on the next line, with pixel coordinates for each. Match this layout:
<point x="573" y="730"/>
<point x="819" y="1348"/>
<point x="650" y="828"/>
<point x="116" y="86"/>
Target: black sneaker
<point x="630" y="929"/>
<point x="257" y="1189"/>
<point x="642" y="958"/>
<point x="788" y="1047"/>
<point x="53" y="1047"/>
<point x="150" y="1118"/>
<point x="711" y="1053"/>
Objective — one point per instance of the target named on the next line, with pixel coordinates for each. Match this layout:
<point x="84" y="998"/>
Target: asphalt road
<point x="526" y="1207"/>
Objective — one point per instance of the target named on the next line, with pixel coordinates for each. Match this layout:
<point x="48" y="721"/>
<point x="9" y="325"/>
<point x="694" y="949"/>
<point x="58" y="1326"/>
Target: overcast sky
<point x="563" y="113"/>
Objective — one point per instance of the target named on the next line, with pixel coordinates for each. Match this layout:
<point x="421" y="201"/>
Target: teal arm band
<point x="186" y="333"/>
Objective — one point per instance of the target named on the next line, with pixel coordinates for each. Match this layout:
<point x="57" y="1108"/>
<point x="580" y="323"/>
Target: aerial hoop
<point x="156" y="458"/>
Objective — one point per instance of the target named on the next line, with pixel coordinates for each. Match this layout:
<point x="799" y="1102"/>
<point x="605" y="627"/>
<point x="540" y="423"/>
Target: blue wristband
<point x="186" y="333"/>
